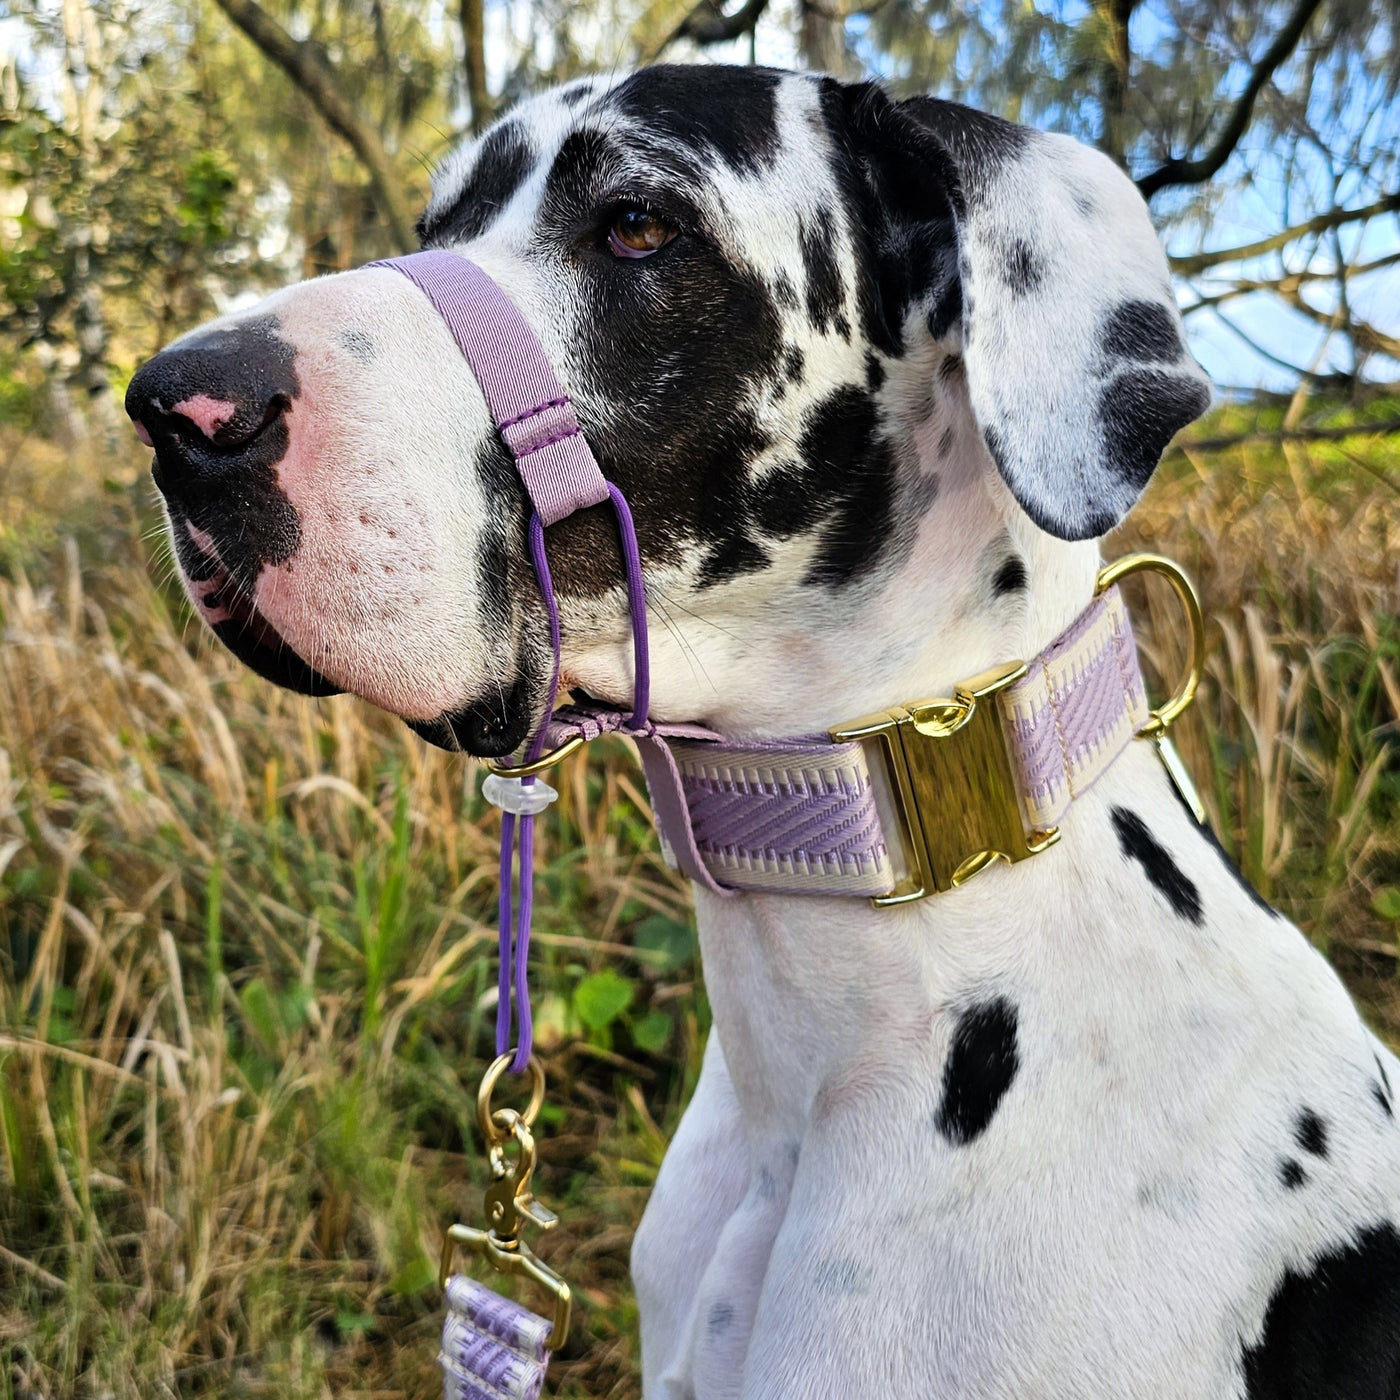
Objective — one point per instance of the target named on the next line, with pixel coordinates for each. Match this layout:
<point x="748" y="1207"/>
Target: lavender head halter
<point x="537" y="421"/>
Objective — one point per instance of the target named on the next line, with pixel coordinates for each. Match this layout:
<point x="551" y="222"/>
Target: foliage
<point x="246" y="946"/>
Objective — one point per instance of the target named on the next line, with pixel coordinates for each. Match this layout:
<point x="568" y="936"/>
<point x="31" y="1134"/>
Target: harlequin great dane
<point x="874" y="376"/>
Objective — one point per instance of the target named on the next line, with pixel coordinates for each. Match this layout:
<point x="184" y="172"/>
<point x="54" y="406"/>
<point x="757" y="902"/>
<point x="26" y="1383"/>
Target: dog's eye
<point x="637" y="233"/>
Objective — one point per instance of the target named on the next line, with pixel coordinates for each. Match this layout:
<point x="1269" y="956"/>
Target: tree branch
<point x="1198" y="262"/>
<point x="706" y="23"/>
<point x="1362" y="333"/>
<point x="1179" y="170"/>
<point x="318" y="82"/>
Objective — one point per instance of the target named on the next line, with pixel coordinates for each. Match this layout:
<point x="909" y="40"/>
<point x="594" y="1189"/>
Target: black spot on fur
<point x="1311" y="1133"/>
<point x="575" y="93"/>
<point x="731" y="111"/>
<point x="946" y="439"/>
<point x="947" y="310"/>
<point x="720" y="1319"/>
<point x="794" y="362"/>
<point x="360" y="346"/>
<point x="1291" y="1174"/>
<point x="1332" y="1329"/>
<point x="1023" y="270"/>
<point x="825" y="289"/>
<point x="844" y="484"/>
<point x="874" y="372"/>
<point x="900" y="193"/>
<point x="1085" y="205"/>
<point x="784" y="293"/>
<point x="1139" y="412"/>
<point x="502" y="165"/>
<point x="1141" y="331"/>
<point x="980" y="1068"/>
<point x="1163" y="873"/>
<point x="1382" y="1089"/>
<point x="950" y="369"/>
<point x="1011" y="577"/>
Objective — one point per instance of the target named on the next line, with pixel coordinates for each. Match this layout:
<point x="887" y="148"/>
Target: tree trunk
<point x="474" y="48"/>
<point x="823" y="39"/>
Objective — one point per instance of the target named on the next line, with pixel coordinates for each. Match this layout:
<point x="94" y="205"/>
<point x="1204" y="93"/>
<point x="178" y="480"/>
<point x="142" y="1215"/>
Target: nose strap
<point x="534" y="414"/>
<point x="537" y="422"/>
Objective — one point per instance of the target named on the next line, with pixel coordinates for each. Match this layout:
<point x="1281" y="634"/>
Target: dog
<point x="875" y="376"/>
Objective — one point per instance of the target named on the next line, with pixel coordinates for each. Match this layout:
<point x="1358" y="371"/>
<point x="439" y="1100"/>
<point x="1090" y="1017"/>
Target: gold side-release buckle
<point x="954" y="784"/>
<point x="954" y="787"/>
<point x="510" y="1201"/>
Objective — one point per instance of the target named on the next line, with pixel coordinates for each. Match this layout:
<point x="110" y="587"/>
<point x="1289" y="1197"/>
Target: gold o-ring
<point x="485" y="1118"/>
<point x="1161" y="719"/>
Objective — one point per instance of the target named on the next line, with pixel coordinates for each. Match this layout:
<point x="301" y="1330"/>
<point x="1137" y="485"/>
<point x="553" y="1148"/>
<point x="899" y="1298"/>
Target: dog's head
<point x="826" y="344"/>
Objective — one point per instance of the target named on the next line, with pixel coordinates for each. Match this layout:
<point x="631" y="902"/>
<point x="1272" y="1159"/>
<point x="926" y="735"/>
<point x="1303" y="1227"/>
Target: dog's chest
<point x="1065" y="1141"/>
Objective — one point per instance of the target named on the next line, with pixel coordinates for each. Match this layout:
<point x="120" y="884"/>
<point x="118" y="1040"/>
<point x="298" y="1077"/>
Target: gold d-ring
<point x="1161" y="719"/>
<point x="540" y="765"/>
<point x="485" y="1120"/>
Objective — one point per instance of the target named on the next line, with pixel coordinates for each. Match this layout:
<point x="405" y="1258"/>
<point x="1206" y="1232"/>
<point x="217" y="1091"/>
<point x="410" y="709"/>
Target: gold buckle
<point x="954" y="788"/>
<point x="510" y="1202"/>
<point x="1164" y="716"/>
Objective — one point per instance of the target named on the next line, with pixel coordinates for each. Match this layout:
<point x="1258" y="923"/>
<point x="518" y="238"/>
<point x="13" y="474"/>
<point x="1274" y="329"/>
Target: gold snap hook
<point x="1165" y="715"/>
<point x="496" y="1132"/>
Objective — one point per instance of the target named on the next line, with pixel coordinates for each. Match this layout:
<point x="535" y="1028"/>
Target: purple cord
<point x="525" y="828"/>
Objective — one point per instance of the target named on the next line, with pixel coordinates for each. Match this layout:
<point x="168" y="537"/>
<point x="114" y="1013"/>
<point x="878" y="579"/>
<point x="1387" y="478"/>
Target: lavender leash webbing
<point x="537" y="422"/>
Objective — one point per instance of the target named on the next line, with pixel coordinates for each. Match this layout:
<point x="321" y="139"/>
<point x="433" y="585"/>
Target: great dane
<point x="874" y="375"/>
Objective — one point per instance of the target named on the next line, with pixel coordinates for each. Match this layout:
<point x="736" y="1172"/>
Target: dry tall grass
<point x="245" y="942"/>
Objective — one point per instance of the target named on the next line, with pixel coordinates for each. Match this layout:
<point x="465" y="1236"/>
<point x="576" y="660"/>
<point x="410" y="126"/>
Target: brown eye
<point x="637" y="233"/>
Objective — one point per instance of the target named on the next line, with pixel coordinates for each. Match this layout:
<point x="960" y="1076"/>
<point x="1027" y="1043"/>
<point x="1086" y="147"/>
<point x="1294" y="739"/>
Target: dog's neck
<point x="806" y="990"/>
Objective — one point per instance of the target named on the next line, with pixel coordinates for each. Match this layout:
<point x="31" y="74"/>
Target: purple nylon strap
<point x="537" y="422"/>
<point x="534" y="414"/>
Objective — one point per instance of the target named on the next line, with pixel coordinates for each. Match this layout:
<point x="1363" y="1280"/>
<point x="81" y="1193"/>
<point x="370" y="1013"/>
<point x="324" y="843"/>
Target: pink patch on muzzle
<point x="208" y="415"/>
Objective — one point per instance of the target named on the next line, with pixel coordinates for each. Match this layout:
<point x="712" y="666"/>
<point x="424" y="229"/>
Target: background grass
<point x="246" y="948"/>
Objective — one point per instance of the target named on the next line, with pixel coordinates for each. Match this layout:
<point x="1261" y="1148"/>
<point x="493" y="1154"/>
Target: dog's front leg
<point x="702" y="1181"/>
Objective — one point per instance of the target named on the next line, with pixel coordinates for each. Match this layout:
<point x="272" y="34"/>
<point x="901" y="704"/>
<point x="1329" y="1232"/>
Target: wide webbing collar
<point x="917" y="799"/>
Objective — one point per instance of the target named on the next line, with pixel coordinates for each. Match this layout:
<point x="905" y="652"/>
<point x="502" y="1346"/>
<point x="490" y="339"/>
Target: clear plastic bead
<point x="517" y="796"/>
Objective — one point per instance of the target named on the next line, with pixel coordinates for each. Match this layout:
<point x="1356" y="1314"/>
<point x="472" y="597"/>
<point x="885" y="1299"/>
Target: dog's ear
<point x="1042" y="251"/>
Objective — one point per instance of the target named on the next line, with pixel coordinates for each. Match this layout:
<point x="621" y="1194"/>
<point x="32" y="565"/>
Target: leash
<point x="893" y="807"/>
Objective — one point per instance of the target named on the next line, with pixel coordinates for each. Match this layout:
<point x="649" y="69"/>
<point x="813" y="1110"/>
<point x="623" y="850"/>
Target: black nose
<point x="214" y="401"/>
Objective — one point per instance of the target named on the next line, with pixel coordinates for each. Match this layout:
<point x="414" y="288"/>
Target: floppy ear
<point x="1076" y="366"/>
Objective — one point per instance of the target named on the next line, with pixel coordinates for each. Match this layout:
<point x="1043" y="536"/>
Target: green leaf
<point x="1386" y="902"/>
<point x="417" y="1276"/>
<point x="663" y="945"/>
<point x="601" y="998"/>
<point x="347" y="1323"/>
<point x="652" y="1032"/>
<point x="259" y="1013"/>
